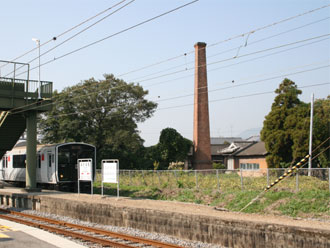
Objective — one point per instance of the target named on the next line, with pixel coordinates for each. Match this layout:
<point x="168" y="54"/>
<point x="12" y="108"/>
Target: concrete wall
<point x="229" y="233"/>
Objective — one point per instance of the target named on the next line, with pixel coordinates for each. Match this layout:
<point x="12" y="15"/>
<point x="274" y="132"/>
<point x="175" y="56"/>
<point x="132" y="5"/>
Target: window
<point x="39" y="160"/>
<point x="249" y="166"/>
<point x="19" y="161"/>
<point x="4" y="162"/>
<point x="49" y="160"/>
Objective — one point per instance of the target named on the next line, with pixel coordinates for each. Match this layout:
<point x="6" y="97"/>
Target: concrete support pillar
<point x="202" y="142"/>
<point x="31" y="150"/>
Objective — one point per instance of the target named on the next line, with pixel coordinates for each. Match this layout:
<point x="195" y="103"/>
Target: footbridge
<point x="20" y="102"/>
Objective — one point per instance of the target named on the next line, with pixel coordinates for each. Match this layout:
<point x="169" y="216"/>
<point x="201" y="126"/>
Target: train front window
<point x="67" y="160"/>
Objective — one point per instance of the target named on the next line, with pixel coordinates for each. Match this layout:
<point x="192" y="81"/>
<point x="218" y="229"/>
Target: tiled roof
<point x="223" y="140"/>
<point x="255" y="149"/>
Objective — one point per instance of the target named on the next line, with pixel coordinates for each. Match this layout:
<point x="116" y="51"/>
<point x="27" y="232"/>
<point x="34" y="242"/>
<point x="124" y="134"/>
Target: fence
<point x="224" y="180"/>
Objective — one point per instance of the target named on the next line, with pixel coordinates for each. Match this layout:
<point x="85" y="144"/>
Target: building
<point x="236" y="153"/>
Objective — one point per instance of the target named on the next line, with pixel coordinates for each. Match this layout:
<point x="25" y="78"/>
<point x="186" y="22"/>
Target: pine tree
<point x="277" y="129"/>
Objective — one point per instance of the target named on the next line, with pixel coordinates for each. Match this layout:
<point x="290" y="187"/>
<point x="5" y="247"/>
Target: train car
<point x="56" y="164"/>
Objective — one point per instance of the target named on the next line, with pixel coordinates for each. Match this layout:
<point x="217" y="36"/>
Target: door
<point x="49" y="167"/>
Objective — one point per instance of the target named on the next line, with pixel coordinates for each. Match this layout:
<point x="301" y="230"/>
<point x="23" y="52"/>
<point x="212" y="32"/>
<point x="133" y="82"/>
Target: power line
<point x="65" y="32"/>
<point x="254" y="94"/>
<point x="236" y="57"/>
<point x="168" y="80"/>
<point x="112" y="35"/>
<point x="186" y="105"/>
<point x="280" y="33"/>
<point x="75" y="35"/>
<point x="238" y="63"/>
<point x="211" y="44"/>
<point x="296" y="167"/>
<point x="248" y="83"/>
<point x="242" y="96"/>
<point x="226" y="40"/>
<point x="235" y="48"/>
<point x="134" y="26"/>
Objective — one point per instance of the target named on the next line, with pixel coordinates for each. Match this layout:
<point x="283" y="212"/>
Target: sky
<point x="238" y="68"/>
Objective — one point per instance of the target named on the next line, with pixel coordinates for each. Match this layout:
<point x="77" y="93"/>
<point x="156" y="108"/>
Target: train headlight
<point x="61" y="176"/>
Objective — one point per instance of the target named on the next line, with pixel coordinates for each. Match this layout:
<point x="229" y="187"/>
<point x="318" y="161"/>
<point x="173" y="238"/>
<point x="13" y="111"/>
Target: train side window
<point x="39" y="161"/>
<point x="4" y="161"/>
<point x="53" y="158"/>
<point x="19" y="161"/>
<point x="49" y="160"/>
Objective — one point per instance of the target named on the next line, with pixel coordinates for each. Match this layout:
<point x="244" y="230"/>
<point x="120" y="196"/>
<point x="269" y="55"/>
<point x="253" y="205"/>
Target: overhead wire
<point x="14" y="110"/>
<point x="75" y="35"/>
<point x="235" y="57"/>
<point x="304" y="159"/>
<point x="228" y="39"/>
<point x="235" y="48"/>
<point x="131" y="27"/>
<point x="112" y="35"/>
<point x="237" y="63"/>
<point x="290" y="18"/>
<point x="184" y="105"/>
<point x="65" y="32"/>
<point x="260" y="28"/>
<point x="241" y="96"/>
<point x="248" y="83"/>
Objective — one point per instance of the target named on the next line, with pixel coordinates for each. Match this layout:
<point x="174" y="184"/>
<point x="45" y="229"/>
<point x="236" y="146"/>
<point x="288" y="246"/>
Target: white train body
<point x="56" y="164"/>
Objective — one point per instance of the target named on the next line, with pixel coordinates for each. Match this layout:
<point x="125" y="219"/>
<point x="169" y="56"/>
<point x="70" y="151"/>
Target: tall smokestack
<point x="202" y="144"/>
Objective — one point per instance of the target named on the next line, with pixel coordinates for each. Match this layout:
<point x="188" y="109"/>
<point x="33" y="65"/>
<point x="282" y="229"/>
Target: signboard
<point x="110" y="172"/>
<point x="85" y="170"/>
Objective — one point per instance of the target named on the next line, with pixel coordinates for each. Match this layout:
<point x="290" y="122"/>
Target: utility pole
<point x="310" y="137"/>
<point x="38" y="44"/>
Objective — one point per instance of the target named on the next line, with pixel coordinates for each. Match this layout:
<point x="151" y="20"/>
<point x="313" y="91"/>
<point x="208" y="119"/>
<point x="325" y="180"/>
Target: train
<point x="56" y="165"/>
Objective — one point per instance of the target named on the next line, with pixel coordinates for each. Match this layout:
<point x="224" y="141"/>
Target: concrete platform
<point x="14" y="235"/>
<point x="183" y="220"/>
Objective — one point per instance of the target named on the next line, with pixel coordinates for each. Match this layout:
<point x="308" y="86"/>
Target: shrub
<point x="176" y="166"/>
<point x="218" y="166"/>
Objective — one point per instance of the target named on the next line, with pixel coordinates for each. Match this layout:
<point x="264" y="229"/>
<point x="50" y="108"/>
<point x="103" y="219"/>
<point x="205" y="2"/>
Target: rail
<point x="89" y="234"/>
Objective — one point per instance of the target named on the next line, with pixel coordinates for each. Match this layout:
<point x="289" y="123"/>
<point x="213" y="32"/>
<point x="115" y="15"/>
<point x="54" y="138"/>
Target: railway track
<point x="90" y="235"/>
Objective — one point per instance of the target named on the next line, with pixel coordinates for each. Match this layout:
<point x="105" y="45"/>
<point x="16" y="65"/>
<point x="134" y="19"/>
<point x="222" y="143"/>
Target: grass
<point x="311" y="201"/>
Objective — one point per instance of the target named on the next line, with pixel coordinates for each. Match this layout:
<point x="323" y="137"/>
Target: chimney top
<point x="200" y="44"/>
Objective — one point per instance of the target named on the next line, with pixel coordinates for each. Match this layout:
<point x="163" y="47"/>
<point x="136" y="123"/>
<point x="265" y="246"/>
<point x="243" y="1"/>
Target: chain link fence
<point x="225" y="180"/>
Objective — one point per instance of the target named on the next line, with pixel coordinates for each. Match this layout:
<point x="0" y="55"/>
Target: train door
<point x="49" y="166"/>
<point x="4" y="165"/>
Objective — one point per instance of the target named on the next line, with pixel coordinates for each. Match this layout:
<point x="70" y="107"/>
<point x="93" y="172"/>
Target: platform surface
<point x="14" y="235"/>
<point x="177" y="207"/>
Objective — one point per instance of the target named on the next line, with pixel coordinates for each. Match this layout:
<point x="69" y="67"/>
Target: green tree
<point x="321" y="130"/>
<point x="104" y="113"/>
<point x="172" y="147"/>
<point x="276" y="133"/>
<point x="321" y="125"/>
<point x="286" y="127"/>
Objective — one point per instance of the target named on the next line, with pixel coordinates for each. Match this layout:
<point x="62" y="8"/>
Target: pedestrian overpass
<point x="20" y="102"/>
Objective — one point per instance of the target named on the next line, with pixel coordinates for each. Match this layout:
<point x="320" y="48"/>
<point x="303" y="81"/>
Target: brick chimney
<point x="202" y="144"/>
